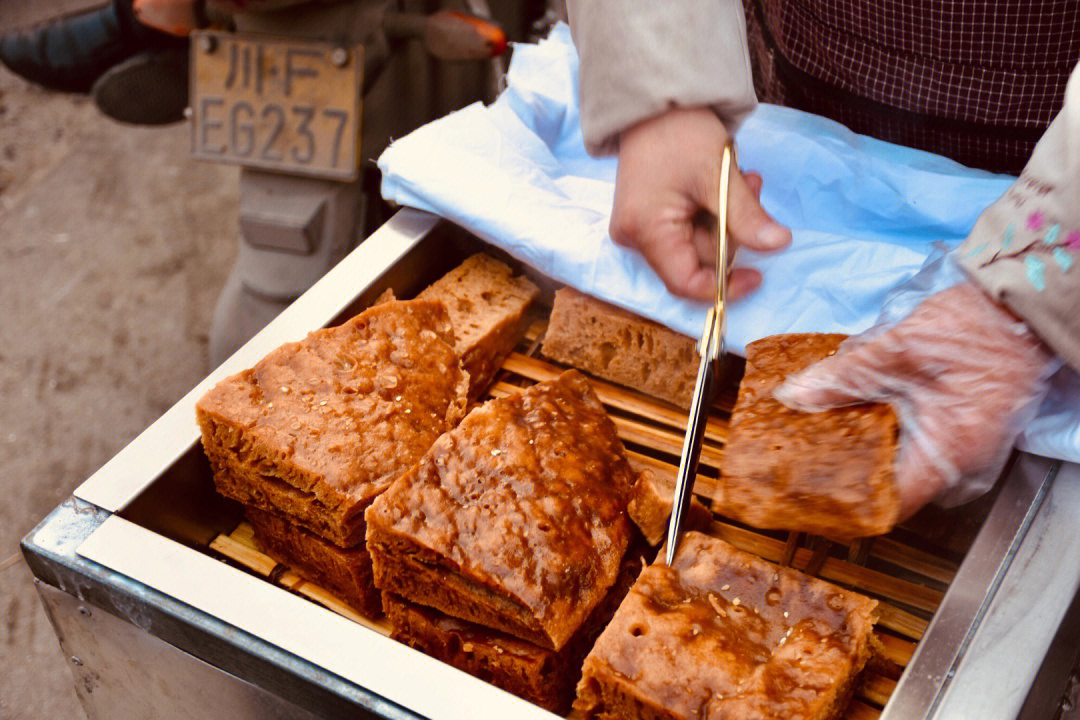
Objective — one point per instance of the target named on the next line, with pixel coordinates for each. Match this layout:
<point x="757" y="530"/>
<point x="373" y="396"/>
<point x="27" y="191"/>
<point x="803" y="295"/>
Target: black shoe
<point x="148" y="89"/>
<point x="70" y="52"/>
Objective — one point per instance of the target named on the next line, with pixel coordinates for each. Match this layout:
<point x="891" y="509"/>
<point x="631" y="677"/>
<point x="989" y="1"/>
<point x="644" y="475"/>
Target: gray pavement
<point x="113" y="247"/>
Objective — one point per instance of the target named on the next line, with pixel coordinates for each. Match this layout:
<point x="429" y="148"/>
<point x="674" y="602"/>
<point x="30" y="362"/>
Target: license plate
<point x="286" y="105"/>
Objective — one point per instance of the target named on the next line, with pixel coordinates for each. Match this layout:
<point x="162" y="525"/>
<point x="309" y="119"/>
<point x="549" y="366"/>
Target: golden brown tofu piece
<point x="724" y="634"/>
<point x="516" y="519"/>
<point x="541" y="676"/>
<point x="346" y="572"/>
<point x="650" y="508"/>
<point x="319" y="427"/>
<point x="488" y="308"/>
<point x="622" y="347"/>
<point x="829" y="473"/>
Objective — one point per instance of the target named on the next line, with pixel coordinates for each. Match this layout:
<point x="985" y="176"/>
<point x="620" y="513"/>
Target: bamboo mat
<point x="908" y="582"/>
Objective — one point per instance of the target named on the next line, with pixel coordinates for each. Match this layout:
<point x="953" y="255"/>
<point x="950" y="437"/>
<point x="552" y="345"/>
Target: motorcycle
<point x="303" y="97"/>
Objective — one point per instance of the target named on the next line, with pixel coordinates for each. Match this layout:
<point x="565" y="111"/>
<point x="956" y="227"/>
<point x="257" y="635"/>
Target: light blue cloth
<point x="864" y="213"/>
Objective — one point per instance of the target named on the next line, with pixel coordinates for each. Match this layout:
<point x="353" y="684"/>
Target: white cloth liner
<point x="864" y="213"/>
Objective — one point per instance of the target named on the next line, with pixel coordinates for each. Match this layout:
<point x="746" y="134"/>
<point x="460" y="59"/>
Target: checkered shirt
<point x="975" y="80"/>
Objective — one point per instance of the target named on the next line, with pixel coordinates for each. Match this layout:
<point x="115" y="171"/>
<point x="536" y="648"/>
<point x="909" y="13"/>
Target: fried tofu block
<point x="541" y="676"/>
<point x="346" y="572"/>
<point x="829" y="473"/>
<point x="488" y="308"/>
<point x="617" y="345"/>
<point x="320" y="427"/>
<point x="650" y="508"/>
<point x="516" y="519"/>
<point x="724" y="634"/>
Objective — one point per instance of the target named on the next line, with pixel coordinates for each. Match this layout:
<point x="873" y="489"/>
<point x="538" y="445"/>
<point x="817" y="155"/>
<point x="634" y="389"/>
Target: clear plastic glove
<point x="964" y="376"/>
<point x="668" y="176"/>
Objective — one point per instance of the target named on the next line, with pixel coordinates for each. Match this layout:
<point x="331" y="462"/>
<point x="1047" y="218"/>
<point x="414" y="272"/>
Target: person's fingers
<point x="918" y="480"/>
<point x="842" y="379"/>
<point x="742" y="282"/>
<point x="750" y="225"/>
<point x="748" y="222"/>
<point x="668" y="174"/>
<point x="678" y="265"/>
<point x="704" y="240"/>
<point x="754" y="181"/>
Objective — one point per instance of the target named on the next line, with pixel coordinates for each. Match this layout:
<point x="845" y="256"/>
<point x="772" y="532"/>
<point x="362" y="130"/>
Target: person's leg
<point x="150" y="88"/>
<point x="71" y="52"/>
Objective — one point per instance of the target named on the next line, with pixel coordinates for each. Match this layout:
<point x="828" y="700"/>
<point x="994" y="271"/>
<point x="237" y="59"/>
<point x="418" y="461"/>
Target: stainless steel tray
<point x="133" y="542"/>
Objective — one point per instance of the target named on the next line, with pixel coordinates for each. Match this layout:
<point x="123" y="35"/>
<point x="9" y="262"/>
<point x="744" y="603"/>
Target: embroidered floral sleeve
<point x="1047" y="244"/>
<point x="1025" y="247"/>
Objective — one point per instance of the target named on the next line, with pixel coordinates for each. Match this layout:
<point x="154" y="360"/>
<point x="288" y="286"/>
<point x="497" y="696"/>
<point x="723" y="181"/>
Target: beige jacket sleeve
<point x="642" y="57"/>
<point x="1025" y="248"/>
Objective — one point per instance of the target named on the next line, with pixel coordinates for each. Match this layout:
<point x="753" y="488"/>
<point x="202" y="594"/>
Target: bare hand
<point x="669" y="172"/>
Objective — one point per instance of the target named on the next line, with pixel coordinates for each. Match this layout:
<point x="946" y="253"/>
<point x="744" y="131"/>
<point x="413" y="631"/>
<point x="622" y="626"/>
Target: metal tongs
<point x="711" y="350"/>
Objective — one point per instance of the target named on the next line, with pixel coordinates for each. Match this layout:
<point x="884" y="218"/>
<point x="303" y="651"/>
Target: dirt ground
<point x="113" y="247"/>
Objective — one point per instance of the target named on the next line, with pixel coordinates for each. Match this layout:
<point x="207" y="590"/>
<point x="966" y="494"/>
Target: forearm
<point x="1024" y="248"/>
<point x="640" y="58"/>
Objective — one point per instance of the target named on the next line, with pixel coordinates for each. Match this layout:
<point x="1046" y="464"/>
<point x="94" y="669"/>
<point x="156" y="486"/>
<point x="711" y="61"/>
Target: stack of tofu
<point x="310" y="436"/>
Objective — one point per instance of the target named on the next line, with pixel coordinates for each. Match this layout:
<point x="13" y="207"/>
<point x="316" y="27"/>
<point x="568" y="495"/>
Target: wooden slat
<point x="832" y="569"/>
<point x="245" y="555"/>
<point x="536" y="330"/>
<point x="533" y="337"/>
<point x="895" y="649"/>
<point x="330" y="601"/>
<point x="240" y="547"/>
<point x="636" y="432"/>
<point x="791" y="546"/>
<point x="876" y="688"/>
<point x="901" y="621"/>
<point x="244" y="533"/>
<point x="859" y="550"/>
<point x="879" y="583"/>
<point x="913" y="559"/>
<point x="663" y="440"/>
<point x="716" y="429"/>
<point x="818" y="558"/>
<point x="861" y="711"/>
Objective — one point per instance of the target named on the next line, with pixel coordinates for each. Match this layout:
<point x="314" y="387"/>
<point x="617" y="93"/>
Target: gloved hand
<point x="964" y="376"/>
<point x="668" y="173"/>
